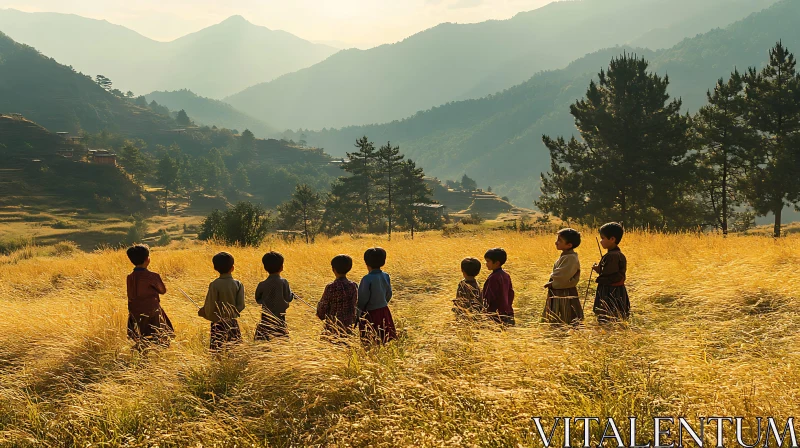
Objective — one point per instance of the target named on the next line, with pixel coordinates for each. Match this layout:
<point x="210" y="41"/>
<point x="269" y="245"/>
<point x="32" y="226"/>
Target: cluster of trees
<point x="466" y="183"/>
<point x="642" y="162"/>
<point x="181" y="117"/>
<point x="382" y="192"/>
<point x="219" y="171"/>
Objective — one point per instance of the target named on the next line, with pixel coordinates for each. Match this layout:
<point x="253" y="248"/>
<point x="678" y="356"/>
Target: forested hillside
<point x="459" y="61"/>
<point x="497" y="139"/>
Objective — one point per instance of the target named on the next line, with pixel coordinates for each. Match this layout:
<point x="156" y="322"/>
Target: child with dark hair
<point x="147" y="321"/>
<point x="274" y="295"/>
<point x="224" y="303"/>
<point x="611" y="300"/>
<point x="469" y="300"/>
<point x="563" y="305"/>
<point x="338" y="304"/>
<point x="498" y="292"/>
<point x="374" y="293"/>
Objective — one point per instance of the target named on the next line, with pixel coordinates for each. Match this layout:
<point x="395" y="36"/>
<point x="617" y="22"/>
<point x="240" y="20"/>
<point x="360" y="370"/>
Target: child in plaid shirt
<point x="338" y="304"/>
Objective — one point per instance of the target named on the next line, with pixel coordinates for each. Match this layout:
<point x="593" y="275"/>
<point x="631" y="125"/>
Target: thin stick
<point x="190" y="299"/>
<point x="588" y="285"/>
<point x="301" y="299"/>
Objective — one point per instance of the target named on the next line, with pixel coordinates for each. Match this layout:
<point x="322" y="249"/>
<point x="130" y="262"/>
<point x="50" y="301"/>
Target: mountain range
<point x="497" y="139"/>
<point x="215" y="62"/>
<point x="463" y="61"/>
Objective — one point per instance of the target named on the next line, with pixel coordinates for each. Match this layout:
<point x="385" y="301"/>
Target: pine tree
<point x="303" y="210"/>
<point x="247" y="146"/>
<point x="133" y="160"/>
<point x="183" y="119"/>
<point x="411" y="190"/>
<point x="772" y="107"/>
<point x="362" y="167"/>
<point x="342" y="207"/>
<point x="168" y="169"/>
<point x="467" y="184"/>
<point x="723" y="135"/>
<point x="389" y="161"/>
<point x="632" y="163"/>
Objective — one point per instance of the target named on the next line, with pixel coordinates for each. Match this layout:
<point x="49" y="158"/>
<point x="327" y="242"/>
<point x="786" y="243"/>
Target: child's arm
<point x="323" y="306"/>
<point x="208" y="307"/>
<point x="389" y="290"/>
<point x="259" y="292"/>
<point x="363" y="294"/>
<point x="611" y="270"/>
<point x="287" y="291"/>
<point x="160" y="287"/>
<point x="240" y="298"/>
<point x="510" y="292"/>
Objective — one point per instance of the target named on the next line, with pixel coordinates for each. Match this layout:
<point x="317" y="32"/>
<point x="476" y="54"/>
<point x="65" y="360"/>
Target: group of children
<point x="345" y="305"/>
<point x="563" y="304"/>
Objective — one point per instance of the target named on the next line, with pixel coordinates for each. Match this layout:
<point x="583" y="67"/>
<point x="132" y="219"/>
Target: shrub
<point x="64" y="248"/>
<point x="245" y="224"/>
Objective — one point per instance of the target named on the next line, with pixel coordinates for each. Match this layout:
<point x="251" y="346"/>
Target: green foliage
<point x="468" y="184"/>
<point x="168" y="169"/>
<point x="245" y="224"/>
<point x="302" y="212"/>
<point x="163" y="238"/>
<point x="772" y="108"/>
<point x="183" y="119"/>
<point x="724" y="137"/>
<point x="134" y="161"/>
<point x="617" y="172"/>
<point x="136" y="233"/>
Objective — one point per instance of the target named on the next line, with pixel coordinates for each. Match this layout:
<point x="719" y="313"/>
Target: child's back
<point x="224" y="303"/>
<point x="469" y="299"/>
<point x="274" y="295"/>
<point x="374" y="294"/>
<point x="147" y="321"/>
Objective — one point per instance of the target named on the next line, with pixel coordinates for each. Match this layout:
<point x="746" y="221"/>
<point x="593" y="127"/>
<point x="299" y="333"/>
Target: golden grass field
<point x="714" y="332"/>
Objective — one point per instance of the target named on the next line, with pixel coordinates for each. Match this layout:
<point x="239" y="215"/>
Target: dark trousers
<point x="225" y="332"/>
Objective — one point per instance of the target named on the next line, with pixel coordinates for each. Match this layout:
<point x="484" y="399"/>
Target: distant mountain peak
<point x="236" y="20"/>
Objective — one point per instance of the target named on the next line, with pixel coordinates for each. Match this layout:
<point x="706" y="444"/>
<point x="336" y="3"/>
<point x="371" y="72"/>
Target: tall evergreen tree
<point x="411" y="190"/>
<point x="183" y="119"/>
<point x="389" y="161"/>
<point x="772" y="107"/>
<point x="168" y="169"/>
<point x="133" y="160"/>
<point x="303" y="211"/>
<point x="632" y="163"/>
<point x="247" y="146"/>
<point x="468" y="184"/>
<point x="362" y="167"/>
<point x="723" y="134"/>
<point x="342" y="208"/>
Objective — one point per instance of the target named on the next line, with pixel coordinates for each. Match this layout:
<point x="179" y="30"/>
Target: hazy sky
<point x="359" y="23"/>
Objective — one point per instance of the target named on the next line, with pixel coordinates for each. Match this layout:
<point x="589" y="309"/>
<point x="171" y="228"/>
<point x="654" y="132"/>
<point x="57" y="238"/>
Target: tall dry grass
<point x="714" y="332"/>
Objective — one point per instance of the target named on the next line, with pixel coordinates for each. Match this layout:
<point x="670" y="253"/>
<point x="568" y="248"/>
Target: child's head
<point x="611" y="235"/>
<point x="273" y="262"/>
<point x="568" y="239"/>
<point x="223" y="263"/>
<point x="139" y="254"/>
<point x="495" y="258"/>
<point x="470" y="267"/>
<point x="375" y="257"/>
<point x="342" y="264"/>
